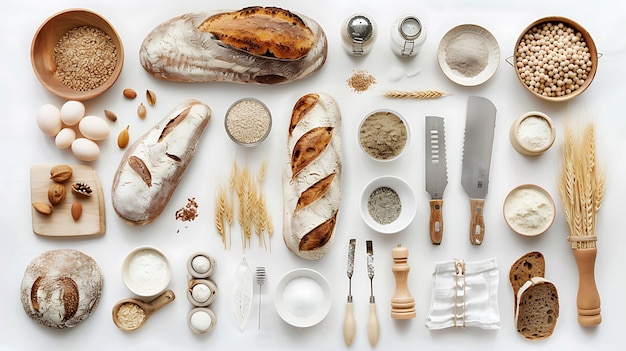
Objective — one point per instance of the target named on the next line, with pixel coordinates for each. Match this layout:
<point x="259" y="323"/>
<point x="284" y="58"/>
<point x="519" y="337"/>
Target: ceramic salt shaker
<point x="358" y="34"/>
<point x="408" y="35"/>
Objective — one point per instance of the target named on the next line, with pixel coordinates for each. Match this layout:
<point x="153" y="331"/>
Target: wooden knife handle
<point x="349" y="325"/>
<point x="588" y="298"/>
<point x="477" y="221"/>
<point x="436" y="221"/>
<point x="373" y="328"/>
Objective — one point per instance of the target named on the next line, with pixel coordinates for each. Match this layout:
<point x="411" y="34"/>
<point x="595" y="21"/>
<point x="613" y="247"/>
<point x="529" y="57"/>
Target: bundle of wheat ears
<point x="243" y="199"/>
<point x="581" y="185"/>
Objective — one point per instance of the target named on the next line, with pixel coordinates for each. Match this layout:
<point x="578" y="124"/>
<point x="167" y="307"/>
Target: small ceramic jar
<point x="201" y="265"/>
<point x="201" y="320"/>
<point x="532" y="134"/>
<point x="201" y="292"/>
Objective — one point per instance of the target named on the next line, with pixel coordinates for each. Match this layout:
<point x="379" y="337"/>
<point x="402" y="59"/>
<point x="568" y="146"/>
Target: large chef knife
<point x="479" y="127"/>
<point x="436" y="174"/>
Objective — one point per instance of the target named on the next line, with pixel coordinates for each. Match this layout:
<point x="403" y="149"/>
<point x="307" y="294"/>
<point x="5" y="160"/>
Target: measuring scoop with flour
<point x="131" y="314"/>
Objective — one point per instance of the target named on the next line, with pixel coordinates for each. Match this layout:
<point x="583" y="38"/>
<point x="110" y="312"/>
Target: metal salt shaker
<point x="358" y="34"/>
<point x="408" y="34"/>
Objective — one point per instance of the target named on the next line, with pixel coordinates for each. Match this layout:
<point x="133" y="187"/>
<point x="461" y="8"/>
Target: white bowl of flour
<point x="529" y="210"/>
<point x="146" y="271"/>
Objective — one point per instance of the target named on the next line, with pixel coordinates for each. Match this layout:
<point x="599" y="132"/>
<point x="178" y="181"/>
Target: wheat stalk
<point x="581" y="186"/>
<point x="219" y="213"/>
<point x="417" y="94"/>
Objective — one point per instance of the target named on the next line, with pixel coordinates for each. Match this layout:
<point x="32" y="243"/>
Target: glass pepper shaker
<point x="408" y="34"/>
<point x="358" y="34"/>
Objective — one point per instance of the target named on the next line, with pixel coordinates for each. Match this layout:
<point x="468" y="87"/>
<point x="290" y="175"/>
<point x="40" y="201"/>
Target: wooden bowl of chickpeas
<point x="555" y="58"/>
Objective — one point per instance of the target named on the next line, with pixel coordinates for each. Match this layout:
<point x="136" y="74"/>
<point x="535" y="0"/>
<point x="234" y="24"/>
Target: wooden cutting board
<point x="60" y="222"/>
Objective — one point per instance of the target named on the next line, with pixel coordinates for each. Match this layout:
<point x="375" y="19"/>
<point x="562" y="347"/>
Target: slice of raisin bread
<point x="538" y="309"/>
<point x="530" y="265"/>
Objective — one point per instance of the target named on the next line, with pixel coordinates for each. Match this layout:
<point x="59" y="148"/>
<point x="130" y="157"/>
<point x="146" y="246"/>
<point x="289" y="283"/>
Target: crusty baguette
<point x="312" y="176"/>
<point x="265" y="45"/>
<point x="61" y="288"/>
<point x="154" y="164"/>
<point x="538" y="309"/>
<point x="531" y="264"/>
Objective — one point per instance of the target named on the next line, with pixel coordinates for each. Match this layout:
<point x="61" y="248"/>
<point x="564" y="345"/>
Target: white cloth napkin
<point x="468" y="298"/>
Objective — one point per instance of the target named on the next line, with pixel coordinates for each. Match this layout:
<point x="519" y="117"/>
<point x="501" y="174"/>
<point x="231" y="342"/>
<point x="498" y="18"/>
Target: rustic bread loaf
<point x="61" y="288"/>
<point x="266" y="45"/>
<point x="531" y="264"/>
<point x="312" y="176"/>
<point x="538" y="309"/>
<point x="154" y="164"/>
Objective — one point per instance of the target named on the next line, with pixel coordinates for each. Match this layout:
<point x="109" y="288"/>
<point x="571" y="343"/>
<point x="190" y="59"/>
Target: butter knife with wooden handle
<point x="349" y="325"/>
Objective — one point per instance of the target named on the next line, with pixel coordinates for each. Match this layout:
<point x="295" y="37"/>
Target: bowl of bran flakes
<point x="77" y="54"/>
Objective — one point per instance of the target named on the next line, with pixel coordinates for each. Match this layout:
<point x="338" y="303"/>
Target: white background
<point x="23" y="146"/>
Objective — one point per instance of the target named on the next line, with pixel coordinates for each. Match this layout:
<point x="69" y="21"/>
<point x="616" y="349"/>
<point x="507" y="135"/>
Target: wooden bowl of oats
<point x="77" y="54"/>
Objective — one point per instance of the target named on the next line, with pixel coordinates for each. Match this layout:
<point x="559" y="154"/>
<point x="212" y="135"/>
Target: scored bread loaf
<point x="61" y="288"/>
<point x="265" y="45"/>
<point x="312" y="176"/>
<point x="531" y="264"/>
<point x="538" y="309"/>
<point x="154" y="164"/>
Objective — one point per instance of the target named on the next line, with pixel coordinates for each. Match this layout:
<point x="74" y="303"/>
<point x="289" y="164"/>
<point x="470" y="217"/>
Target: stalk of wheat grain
<point x="418" y="94"/>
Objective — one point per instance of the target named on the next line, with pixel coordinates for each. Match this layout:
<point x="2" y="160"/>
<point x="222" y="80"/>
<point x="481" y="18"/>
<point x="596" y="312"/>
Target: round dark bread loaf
<point x="538" y="309"/>
<point x="61" y="288"/>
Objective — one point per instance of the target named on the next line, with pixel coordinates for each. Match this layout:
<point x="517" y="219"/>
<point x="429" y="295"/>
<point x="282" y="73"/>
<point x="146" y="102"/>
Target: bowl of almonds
<point x="555" y="58"/>
<point x="77" y="54"/>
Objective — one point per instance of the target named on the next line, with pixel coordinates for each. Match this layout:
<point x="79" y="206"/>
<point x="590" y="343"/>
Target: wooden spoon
<point x="148" y="308"/>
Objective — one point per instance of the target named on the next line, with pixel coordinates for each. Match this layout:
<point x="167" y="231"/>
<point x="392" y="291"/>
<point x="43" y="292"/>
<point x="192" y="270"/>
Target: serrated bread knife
<point x="436" y="174"/>
<point x="479" y="128"/>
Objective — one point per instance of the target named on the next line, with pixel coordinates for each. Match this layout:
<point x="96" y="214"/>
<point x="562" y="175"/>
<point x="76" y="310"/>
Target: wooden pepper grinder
<point x="402" y="302"/>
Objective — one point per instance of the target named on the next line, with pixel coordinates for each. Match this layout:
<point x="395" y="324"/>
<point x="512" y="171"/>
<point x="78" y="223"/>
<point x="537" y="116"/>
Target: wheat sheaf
<point x="581" y="185"/>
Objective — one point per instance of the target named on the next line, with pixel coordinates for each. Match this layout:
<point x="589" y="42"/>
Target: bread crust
<point x="538" y="309"/>
<point x="531" y="264"/>
<point x="312" y="176"/>
<point x="61" y="288"/>
<point x="253" y="45"/>
<point x="154" y="164"/>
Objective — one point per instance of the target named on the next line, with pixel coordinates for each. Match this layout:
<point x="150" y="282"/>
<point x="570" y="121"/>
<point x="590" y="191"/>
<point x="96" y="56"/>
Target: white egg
<point x="85" y="149"/>
<point x="72" y="112"/>
<point x="49" y="119"/>
<point x="94" y="128"/>
<point x="65" y="137"/>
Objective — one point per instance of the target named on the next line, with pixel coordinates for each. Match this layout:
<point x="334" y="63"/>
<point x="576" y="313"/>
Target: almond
<point x="42" y="208"/>
<point x="61" y="173"/>
<point x="56" y="194"/>
<point x="141" y="111"/>
<point x="110" y="115"/>
<point x="129" y="93"/>
<point x="123" y="138"/>
<point x="77" y="210"/>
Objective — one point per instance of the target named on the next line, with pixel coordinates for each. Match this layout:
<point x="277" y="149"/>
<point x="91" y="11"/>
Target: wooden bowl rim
<point x="590" y="44"/>
<point x="48" y="79"/>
